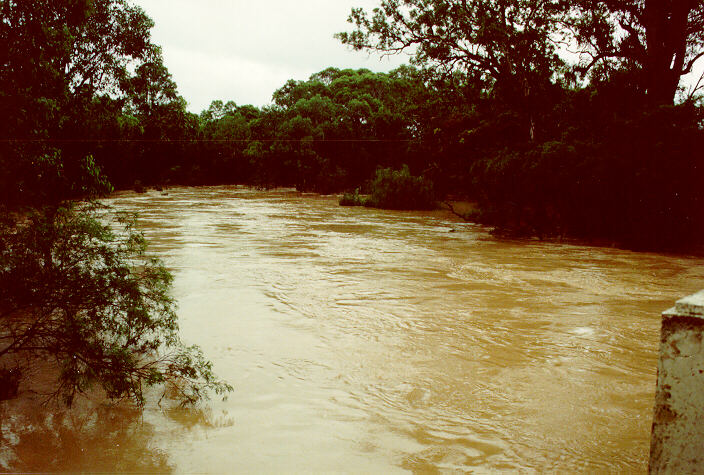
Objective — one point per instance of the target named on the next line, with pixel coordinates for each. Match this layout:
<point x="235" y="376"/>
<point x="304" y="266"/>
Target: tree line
<point x="600" y="146"/>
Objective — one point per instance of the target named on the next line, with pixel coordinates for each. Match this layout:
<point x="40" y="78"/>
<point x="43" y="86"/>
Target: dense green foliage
<point x="325" y="134"/>
<point x="395" y="189"/>
<point x="60" y="63"/>
<point x="82" y="85"/>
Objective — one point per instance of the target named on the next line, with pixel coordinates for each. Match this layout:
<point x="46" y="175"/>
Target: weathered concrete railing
<point x="677" y="440"/>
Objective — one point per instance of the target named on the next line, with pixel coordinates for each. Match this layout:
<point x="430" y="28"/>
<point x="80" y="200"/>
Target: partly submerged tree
<point x="82" y="295"/>
<point x="73" y="291"/>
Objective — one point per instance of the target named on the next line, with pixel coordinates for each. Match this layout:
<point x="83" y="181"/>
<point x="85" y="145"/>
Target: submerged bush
<point x="79" y="292"/>
<point x="352" y="199"/>
<point x="398" y="189"/>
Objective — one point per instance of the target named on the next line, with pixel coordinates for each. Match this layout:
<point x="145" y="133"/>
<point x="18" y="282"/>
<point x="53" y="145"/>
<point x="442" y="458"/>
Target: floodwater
<point x="374" y="341"/>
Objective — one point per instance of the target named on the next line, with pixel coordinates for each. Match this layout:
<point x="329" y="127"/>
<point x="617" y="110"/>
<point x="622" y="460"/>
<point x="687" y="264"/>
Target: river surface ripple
<point x="363" y="340"/>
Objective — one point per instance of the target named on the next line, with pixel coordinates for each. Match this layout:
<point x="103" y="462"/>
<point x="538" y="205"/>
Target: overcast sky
<point x="243" y="50"/>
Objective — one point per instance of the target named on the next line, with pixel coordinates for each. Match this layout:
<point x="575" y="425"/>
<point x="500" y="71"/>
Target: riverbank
<point x="471" y="211"/>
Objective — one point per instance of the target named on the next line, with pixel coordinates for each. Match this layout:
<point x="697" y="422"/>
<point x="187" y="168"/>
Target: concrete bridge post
<point x="677" y="439"/>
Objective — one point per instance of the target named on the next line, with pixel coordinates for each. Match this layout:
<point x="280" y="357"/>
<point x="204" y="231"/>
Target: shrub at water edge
<point x="398" y="189"/>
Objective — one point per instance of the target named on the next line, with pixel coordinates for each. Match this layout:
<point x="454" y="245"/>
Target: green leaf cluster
<point x="398" y="189"/>
<point x="78" y="290"/>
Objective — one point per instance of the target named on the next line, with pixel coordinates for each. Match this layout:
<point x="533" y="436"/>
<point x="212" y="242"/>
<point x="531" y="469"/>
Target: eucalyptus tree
<point x="225" y="131"/>
<point x="509" y="46"/>
<point x="337" y="126"/>
<point x="658" y="41"/>
<point x="165" y="126"/>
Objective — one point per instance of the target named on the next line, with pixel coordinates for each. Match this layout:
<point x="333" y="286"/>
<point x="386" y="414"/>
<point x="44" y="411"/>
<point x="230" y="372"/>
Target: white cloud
<point x="243" y="50"/>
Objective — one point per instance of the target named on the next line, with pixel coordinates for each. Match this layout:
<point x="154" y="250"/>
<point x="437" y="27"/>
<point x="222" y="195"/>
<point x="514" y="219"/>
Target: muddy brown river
<point x="374" y="341"/>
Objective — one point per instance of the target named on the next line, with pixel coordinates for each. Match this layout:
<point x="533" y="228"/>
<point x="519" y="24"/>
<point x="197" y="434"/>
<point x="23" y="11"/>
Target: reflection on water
<point x="91" y="437"/>
<point x="365" y="340"/>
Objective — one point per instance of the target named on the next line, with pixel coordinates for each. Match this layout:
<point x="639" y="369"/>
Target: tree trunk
<point x="665" y="23"/>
